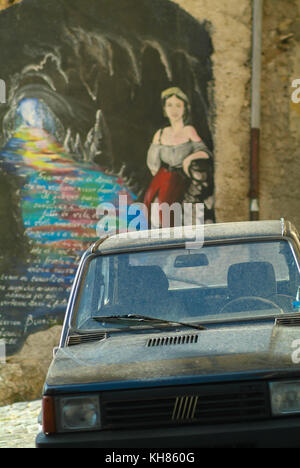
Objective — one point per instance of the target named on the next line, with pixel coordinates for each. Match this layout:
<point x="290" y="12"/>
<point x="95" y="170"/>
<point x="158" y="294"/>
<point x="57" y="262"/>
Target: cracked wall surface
<point x="280" y="117"/>
<point x="280" y="142"/>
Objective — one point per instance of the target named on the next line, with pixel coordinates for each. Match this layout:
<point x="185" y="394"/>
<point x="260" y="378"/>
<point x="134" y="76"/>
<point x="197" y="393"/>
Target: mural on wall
<point x="102" y="100"/>
<point x="178" y="159"/>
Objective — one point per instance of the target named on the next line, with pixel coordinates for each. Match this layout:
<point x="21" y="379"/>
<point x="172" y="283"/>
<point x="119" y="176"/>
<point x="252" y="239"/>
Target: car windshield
<point x="215" y="283"/>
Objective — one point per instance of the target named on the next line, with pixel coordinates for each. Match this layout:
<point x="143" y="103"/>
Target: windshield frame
<point x="72" y="309"/>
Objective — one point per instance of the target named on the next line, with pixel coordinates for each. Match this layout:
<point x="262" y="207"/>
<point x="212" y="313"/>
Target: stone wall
<point x="22" y="377"/>
<point x="232" y="75"/>
<point x="280" y="123"/>
<point x="280" y="142"/>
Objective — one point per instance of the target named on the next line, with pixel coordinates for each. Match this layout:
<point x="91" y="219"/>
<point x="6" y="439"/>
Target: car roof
<point x="195" y="236"/>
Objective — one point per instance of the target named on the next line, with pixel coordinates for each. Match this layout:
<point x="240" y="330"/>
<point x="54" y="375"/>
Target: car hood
<point x="165" y="356"/>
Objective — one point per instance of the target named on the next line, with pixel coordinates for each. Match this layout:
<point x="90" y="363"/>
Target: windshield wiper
<point x="143" y="319"/>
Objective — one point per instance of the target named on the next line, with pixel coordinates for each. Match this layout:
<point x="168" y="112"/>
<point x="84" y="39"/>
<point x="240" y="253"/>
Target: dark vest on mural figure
<point x="83" y="101"/>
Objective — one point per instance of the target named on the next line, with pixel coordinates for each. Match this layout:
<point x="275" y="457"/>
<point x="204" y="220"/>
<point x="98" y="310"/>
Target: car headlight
<point x="79" y="413"/>
<point x="285" y="397"/>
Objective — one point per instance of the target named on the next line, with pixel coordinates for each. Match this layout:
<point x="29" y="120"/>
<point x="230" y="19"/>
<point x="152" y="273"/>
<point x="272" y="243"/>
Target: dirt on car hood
<point x="157" y="357"/>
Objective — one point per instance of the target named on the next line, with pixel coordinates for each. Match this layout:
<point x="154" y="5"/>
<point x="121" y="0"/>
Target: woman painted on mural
<point x="178" y="159"/>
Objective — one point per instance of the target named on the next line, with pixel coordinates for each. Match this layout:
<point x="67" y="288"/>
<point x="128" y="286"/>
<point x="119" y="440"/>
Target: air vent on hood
<point x="85" y="338"/>
<point x="289" y="321"/>
<point x="172" y="340"/>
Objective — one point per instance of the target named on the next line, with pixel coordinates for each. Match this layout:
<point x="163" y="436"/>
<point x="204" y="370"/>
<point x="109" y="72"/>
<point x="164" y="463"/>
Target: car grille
<point x="205" y="404"/>
<point x="85" y="338"/>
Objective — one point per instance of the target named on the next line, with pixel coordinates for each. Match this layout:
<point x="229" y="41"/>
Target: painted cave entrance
<point x="83" y="83"/>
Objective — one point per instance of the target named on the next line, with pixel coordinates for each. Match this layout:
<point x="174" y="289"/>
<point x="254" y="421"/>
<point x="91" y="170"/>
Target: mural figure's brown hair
<point x="175" y="91"/>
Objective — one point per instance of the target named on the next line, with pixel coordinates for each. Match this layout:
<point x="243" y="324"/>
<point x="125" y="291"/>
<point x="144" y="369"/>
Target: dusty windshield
<point x="214" y="283"/>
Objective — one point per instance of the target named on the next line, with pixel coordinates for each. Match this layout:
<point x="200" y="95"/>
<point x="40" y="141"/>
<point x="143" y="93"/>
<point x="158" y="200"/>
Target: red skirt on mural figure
<point x="165" y="187"/>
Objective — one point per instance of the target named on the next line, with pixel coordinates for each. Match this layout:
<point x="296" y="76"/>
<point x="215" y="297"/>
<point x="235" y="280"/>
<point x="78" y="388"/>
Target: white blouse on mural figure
<point x="172" y="155"/>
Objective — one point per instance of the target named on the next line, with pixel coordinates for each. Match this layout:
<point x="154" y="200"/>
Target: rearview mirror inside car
<point x="192" y="260"/>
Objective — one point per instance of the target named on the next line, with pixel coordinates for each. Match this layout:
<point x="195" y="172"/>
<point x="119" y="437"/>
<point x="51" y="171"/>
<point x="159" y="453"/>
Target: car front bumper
<point x="276" y="433"/>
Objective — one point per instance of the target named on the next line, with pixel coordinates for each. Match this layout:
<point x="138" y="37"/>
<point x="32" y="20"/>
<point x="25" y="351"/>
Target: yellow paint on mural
<point x="40" y="150"/>
<point x="295" y="107"/>
<point x="7" y="3"/>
